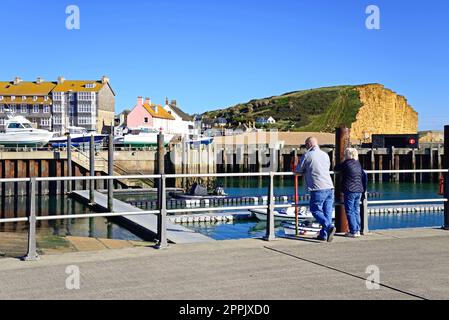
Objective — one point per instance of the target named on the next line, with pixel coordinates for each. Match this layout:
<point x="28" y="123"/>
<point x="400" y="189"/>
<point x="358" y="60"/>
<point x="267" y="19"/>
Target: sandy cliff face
<point x="383" y="112"/>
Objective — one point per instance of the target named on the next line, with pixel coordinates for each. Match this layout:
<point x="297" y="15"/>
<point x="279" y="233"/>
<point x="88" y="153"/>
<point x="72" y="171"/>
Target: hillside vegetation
<point x="318" y="110"/>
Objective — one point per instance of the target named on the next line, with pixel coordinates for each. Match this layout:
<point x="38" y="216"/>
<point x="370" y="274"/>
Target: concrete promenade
<point x="413" y="264"/>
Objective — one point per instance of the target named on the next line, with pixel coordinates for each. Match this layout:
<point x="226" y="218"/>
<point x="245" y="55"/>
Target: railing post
<point x="32" y="253"/>
<point x="91" y="169"/>
<point x="111" y="173"/>
<point x="69" y="162"/>
<point x="364" y="215"/>
<point x="270" y="235"/>
<point x="162" y="194"/>
<point x="446" y="177"/>
<point x="162" y="218"/>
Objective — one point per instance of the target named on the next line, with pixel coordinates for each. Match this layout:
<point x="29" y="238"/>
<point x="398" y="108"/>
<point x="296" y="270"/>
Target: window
<point x="34" y="98"/>
<point x="57" y="108"/>
<point x="46" y="98"/>
<point x="57" y="120"/>
<point x="24" y="98"/>
<point x="2" y="108"/>
<point x="13" y="109"/>
<point x="1" y="98"/>
<point x="57" y="96"/>
<point x="90" y="85"/>
<point x="35" y="109"/>
<point x="86" y="96"/>
<point x="24" y="108"/>
<point x="45" y="122"/>
<point x="84" y="120"/>
<point x="46" y="109"/>
<point x="2" y="121"/>
<point x="85" y="108"/>
<point x="13" y="98"/>
<point x="145" y="120"/>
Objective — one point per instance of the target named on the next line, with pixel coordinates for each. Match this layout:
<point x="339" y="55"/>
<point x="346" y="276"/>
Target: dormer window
<point x="46" y="98"/>
<point x="1" y="98"/>
<point x="34" y="98"/>
<point x="13" y="98"/>
<point x="90" y="85"/>
<point x="24" y="98"/>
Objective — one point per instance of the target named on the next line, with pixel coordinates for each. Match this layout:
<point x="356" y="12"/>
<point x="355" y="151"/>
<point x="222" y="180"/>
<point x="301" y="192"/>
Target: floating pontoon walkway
<point x="143" y="223"/>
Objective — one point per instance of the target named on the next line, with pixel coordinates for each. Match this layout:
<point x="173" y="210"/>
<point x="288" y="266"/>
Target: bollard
<point x="111" y="173"/>
<point x="69" y="163"/>
<point x="91" y="169"/>
<point x="270" y="217"/>
<point x="364" y="216"/>
<point x="32" y="253"/>
<point x="446" y="177"/>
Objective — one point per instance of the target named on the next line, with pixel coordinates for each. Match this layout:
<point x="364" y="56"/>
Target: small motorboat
<point x="283" y="214"/>
<point x="200" y="141"/>
<point x="307" y="228"/>
<point x="143" y="137"/>
<point x="79" y="137"/>
<point x="199" y="192"/>
<point x="287" y="214"/>
<point x="20" y="133"/>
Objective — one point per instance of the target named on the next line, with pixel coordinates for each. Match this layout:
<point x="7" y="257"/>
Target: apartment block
<point x="57" y="105"/>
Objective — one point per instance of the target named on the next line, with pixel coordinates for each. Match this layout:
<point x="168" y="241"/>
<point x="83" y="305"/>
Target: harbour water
<point x="102" y="228"/>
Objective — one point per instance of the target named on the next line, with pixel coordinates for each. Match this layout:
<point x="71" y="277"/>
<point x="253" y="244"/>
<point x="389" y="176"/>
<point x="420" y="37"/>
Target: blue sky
<point x="212" y="54"/>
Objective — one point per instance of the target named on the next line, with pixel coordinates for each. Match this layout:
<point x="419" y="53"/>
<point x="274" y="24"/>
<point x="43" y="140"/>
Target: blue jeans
<point x="352" y="206"/>
<point x="321" y="206"/>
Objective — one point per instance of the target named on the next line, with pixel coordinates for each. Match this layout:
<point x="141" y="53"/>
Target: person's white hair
<point x="351" y="153"/>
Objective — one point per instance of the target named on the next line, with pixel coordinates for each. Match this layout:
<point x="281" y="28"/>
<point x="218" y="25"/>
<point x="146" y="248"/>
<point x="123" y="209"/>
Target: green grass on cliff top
<point x="319" y="110"/>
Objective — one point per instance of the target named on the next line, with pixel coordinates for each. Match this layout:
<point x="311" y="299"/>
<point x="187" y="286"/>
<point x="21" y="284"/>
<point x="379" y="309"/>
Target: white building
<point x="183" y="123"/>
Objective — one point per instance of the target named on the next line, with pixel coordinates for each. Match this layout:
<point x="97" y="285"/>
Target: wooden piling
<point x="446" y="177"/>
<point x="342" y="141"/>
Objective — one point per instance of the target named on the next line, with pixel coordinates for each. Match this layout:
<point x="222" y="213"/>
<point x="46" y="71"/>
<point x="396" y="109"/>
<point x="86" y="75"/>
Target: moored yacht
<point x="79" y="136"/>
<point x="20" y="133"/>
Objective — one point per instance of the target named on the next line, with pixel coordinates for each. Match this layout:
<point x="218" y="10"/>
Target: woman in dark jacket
<point x="354" y="186"/>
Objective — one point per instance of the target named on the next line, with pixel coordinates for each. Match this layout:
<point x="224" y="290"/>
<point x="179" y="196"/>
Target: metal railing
<point x="162" y="210"/>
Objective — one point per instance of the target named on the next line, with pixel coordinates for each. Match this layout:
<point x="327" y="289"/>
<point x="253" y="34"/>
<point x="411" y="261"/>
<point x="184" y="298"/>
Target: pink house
<point x="149" y="115"/>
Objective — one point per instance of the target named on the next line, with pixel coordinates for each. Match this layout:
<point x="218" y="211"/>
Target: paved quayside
<point x="146" y="223"/>
<point x="413" y="264"/>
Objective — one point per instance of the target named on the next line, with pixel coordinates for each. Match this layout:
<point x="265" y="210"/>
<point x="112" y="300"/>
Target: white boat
<point x="304" y="229"/>
<point x="19" y="132"/>
<point x="143" y="137"/>
<point x="287" y="214"/>
<point x="79" y="136"/>
<point x="200" y="141"/>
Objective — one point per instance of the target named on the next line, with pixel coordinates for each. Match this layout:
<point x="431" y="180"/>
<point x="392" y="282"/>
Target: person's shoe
<point x="331" y="233"/>
<point x="320" y="238"/>
<point x="357" y="234"/>
<point x="350" y="235"/>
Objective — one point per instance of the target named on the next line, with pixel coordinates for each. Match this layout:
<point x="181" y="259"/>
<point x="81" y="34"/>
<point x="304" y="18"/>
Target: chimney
<point x="61" y="80"/>
<point x="139" y="101"/>
<point x="17" y="80"/>
<point x="173" y="103"/>
<point x="104" y="80"/>
<point x="148" y="101"/>
<point x="39" y="80"/>
<point x="166" y="101"/>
